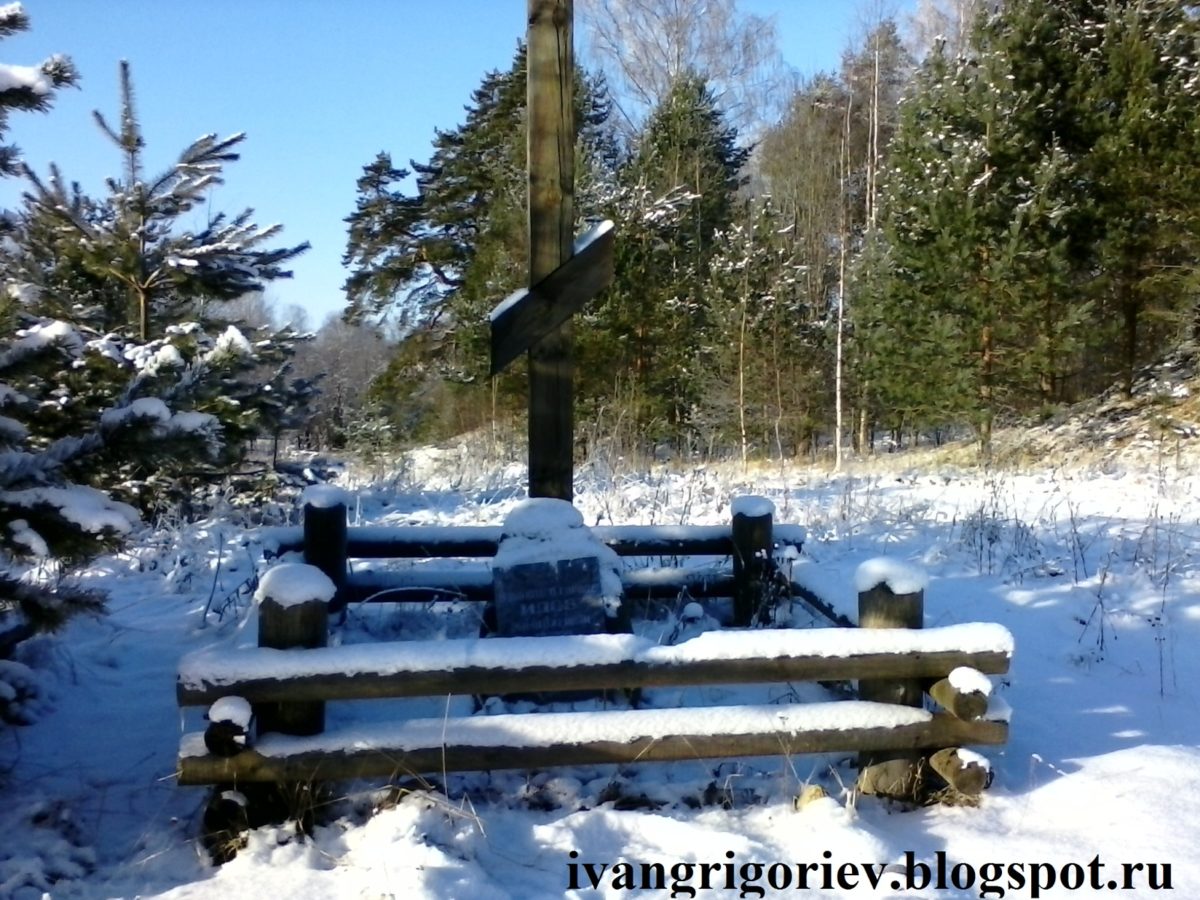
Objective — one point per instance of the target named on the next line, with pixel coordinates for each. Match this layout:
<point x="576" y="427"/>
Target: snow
<point x="235" y="797"/>
<point x="324" y="496"/>
<point x="900" y="577"/>
<point x="42" y="335"/>
<point x="541" y="517"/>
<point x="752" y="506"/>
<point x="153" y="359"/>
<point x="17" y="77"/>
<point x="150" y="409"/>
<point x="566" y="651"/>
<point x="507" y="303"/>
<point x="235" y="710"/>
<point x="292" y="584"/>
<point x="970" y="681"/>
<point x="1103" y="760"/>
<point x="90" y="509"/>
<point x="592" y="235"/>
<point x="11" y="431"/>
<point x="971" y="758"/>
<point x="190" y="422"/>
<point x="575" y="728"/>
<point x="33" y="542"/>
<point x="106" y="347"/>
<point x="543" y="529"/>
<point x="233" y="342"/>
<point x="581" y="244"/>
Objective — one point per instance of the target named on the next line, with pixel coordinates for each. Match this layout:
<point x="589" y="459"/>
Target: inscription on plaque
<point x="547" y="598"/>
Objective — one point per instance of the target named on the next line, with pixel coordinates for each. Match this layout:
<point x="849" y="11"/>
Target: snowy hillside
<point x="1096" y="575"/>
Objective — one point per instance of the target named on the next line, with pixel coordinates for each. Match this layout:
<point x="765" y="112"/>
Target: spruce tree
<point x="26" y="88"/>
<point x="26" y="606"/>
<point x="658" y="301"/>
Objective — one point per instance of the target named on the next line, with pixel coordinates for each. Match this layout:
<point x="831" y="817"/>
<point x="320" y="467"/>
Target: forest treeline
<point x="961" y="225"/>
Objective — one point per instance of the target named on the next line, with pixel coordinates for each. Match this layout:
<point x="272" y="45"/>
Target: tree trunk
<point x="843" y="240"/>
<point x="1131" y="312"/>
<point x="987" y="397"/>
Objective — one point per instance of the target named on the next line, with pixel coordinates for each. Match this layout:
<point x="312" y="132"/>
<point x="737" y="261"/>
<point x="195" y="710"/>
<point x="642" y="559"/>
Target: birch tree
<point x="645" y="46"/>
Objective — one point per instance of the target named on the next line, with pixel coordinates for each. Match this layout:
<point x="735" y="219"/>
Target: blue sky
<point x="319" y="87"/>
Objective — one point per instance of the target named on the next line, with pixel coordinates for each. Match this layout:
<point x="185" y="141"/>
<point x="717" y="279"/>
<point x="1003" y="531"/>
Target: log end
<point x="963" y="771"/>
<point x="902" y="778"/>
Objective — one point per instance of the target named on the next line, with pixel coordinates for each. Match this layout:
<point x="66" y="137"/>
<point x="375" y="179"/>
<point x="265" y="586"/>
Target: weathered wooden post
<point x="752" y="547"/>
<point x="293" y="613"/>
<point x="537" y="321"/>
<point x="551" y="151"/>
<point x="891" y="594"/>
<point x="325" y="538"/>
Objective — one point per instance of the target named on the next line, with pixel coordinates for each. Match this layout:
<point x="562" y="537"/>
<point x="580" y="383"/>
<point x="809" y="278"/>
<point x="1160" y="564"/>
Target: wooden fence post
<point x="891" y="594"/>
<point x="325" y="540"/>
<point x="752" y="546"/>
<point x="293" y="613"/>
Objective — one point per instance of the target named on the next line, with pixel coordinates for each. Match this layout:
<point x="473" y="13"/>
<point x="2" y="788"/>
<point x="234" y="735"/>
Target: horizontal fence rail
<point x="516" y="741"/>
<point x="480" y="541"/>
<point x="579" y="662"/>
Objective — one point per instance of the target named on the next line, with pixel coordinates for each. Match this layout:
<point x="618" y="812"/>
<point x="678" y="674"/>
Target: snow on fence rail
<point x="894" y="661"/>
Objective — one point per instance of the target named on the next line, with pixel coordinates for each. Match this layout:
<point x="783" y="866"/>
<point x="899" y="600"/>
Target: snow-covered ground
<point x="1096" y="574"/>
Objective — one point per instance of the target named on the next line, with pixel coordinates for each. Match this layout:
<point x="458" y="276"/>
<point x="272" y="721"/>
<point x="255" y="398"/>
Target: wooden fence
<point x="747" y="542"/>
<point x="894" y="661"/>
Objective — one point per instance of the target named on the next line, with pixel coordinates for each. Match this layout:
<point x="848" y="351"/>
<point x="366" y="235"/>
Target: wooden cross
<point x="563" y="274"/>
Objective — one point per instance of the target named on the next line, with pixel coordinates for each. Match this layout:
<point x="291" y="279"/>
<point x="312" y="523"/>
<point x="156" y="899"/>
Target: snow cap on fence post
<point x="293" y="613"/>
<point x="891" y="594"/>
<point x="899" y="576"/>
<point x="291" y="584"/>
<point x="753" y="542"/>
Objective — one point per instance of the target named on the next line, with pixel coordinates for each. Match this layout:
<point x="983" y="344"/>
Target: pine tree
<point x="973" y="223"/>
<point x="801" y="166"/>
<point x="132" y="237"/>
<point x="435" y="262"/>
<point x="124" y="266"/>
<point x="1138" y="97"/>
<point x="747" y="371"/>
<point x="1082" y="117"/>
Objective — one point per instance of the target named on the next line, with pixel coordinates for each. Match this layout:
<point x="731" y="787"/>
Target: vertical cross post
<point x="551" y="161"/>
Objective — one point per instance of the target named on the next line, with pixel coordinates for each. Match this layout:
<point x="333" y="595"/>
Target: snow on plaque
<point x="551" y="576"/>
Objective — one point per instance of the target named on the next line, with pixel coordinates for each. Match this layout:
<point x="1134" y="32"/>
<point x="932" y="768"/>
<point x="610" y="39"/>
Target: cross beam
<point x="531" y="314"/>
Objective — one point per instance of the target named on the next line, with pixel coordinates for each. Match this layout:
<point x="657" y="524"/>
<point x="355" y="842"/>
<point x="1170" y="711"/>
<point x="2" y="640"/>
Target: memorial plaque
<point x="547" y="598"/>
